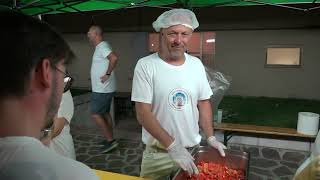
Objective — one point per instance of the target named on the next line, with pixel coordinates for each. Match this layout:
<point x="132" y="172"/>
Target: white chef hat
<point x="175" y="17"/>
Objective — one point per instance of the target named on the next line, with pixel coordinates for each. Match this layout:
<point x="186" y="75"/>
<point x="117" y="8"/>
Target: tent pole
<point x="277" y="5"/>
<point x="66" y="5"/>
<point x="14" y="4"/>
<point x="69" y="6"/>
<point x="318" y="7"/>
<point x="60" y="8"/>
<point x="161" y="7"/>
<point x="29" y="4"/>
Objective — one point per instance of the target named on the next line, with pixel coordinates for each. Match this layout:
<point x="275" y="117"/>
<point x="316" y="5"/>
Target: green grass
<point x="264" y="111"/>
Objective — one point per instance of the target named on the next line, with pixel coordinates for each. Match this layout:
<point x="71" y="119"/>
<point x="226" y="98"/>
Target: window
<point x="283" y="56"/>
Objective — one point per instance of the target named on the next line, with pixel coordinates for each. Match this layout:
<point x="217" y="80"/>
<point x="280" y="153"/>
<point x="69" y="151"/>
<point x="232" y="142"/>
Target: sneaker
<point x="114" y="141"/>
<point x="108" y="146"/>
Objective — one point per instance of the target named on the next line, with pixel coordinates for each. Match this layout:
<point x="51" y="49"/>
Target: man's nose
<point x="177" y="39"/>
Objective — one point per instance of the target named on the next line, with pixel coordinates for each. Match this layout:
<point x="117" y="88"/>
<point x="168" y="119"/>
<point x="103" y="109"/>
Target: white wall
<point x="80" y="68"/>
<point x="128" y="46"/>
<point x="242" y="55"/>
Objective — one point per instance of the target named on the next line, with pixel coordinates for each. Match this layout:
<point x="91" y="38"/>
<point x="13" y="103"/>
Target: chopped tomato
<point x="214" y="171"/>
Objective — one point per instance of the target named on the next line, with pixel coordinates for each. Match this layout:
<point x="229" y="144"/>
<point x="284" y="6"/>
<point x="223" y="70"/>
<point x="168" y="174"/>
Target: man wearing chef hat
<point x="171" y="94"/>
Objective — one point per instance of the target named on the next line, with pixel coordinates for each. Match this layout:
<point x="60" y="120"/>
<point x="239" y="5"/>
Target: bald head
<point x="97" y="30"/>
<point x="95" y="34"/>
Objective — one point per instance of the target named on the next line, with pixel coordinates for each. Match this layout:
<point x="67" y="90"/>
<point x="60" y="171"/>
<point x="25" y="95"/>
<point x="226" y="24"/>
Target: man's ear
<point x="44" y="73"/>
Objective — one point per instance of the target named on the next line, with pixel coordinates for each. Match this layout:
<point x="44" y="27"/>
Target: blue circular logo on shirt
<point x="178" y="98"/>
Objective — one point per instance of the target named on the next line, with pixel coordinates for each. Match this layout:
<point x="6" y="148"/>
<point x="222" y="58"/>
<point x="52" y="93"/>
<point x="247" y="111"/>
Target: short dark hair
<point x="24" y="42"/>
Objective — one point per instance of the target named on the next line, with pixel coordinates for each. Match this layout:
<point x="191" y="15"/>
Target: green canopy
<point x="35" y="7"/>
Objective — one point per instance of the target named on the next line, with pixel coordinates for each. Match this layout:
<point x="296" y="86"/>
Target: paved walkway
<point x="265" y="163"/>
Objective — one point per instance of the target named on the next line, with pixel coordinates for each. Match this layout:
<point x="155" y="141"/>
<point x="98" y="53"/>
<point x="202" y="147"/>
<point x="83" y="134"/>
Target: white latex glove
<point x="212" y="141"/>
<point x="183" y="158"/>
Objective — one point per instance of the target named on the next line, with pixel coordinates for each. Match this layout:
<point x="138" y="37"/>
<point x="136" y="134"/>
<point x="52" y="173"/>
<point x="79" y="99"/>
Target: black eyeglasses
<point x="67" y="80"/>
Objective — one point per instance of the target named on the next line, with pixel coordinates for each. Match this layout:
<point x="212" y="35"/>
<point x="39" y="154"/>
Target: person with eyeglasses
<point x="59" y="139"/>
<point x="34" y="59"/>
<point x="103" y="84"/>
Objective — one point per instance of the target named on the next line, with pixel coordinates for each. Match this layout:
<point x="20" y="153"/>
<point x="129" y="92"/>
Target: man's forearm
<point x="205" y="117"/>
<point x="207" y="127"/>
<point x="150" y="123"/>
<point x="111" y="66"/>
<point x="58" y="125"/>
<point x="113" y="59"/>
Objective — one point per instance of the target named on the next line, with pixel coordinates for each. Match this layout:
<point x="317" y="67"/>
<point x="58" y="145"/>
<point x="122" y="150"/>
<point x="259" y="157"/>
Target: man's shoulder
<point x="191" y="57"/>
<point x="76" y="169"/>
<point x="150" y="56"/>
<point x="27" y="159"/>
<point x="148" y="60"/>
<point x="195" y="61"/>
<point x="103" y="45"/>
<point x="49" y="170"/>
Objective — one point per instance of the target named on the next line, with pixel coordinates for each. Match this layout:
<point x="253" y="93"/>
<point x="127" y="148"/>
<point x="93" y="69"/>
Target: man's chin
<point x="177" y="54"/>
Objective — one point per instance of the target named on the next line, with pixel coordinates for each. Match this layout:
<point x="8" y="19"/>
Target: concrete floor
<point x="265" y="162"/>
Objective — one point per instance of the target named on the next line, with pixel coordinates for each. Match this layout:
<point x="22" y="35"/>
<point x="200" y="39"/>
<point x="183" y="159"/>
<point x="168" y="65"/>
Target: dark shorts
<point x="101" y="102"/>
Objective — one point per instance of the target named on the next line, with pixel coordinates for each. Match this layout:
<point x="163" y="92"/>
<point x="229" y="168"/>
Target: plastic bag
<point x="219" y="84"/>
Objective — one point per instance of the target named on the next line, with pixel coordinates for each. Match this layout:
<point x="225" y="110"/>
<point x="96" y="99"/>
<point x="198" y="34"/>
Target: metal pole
<point x="33" y="2"/>
<point x="277" y="5"/>
<point x="14" y="4"/>
<point x="313" y="8"/>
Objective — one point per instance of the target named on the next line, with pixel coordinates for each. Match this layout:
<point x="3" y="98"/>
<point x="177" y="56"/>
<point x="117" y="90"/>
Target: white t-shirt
<point x="99" y="67"/>
<point x="24" y="158"/>
<point x="174" y="92"/>
<point x="63" y="143"/>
